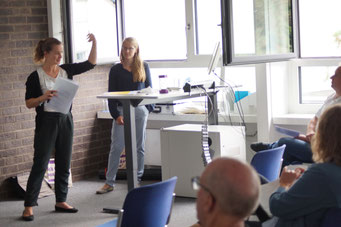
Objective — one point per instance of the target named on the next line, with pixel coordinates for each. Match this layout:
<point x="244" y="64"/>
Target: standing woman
<point x="131" y="74"/>
<point x="54" y="130"/>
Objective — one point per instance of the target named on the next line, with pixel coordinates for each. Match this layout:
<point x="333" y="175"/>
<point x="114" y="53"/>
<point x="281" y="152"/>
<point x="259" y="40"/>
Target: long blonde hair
<point x="326" y="144"/>
<point x="137" y="68"/>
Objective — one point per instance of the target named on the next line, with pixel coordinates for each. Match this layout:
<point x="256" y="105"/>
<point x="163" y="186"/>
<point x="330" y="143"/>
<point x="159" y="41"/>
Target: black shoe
<point x="260" y="146"/>
<point x="27" y="218"/>
<point x="65" y="210"/>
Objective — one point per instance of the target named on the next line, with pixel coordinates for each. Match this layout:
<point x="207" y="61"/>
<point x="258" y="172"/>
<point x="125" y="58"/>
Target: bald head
<point x="235" y="185"/>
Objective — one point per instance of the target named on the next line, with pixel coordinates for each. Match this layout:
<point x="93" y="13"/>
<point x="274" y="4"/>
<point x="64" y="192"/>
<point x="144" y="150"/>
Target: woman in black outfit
<point x="54" y="130"/>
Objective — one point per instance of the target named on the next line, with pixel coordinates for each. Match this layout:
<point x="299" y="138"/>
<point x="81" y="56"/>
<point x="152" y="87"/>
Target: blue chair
<point x="268" y="162"/>
<point x="332" y="218"/>
<point x="146" y="206"/>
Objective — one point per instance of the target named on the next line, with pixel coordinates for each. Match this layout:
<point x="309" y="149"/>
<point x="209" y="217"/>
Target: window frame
<point x="294" y="76"/>
<point x="229" y="57"/>
<point x="295" y="105"/>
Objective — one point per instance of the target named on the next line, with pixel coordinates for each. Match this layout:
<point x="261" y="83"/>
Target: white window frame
<point x="294" y="100"/>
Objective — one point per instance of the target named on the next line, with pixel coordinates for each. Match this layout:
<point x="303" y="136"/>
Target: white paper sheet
<point x="67" y="90"/>
<point x="287" y="131"/>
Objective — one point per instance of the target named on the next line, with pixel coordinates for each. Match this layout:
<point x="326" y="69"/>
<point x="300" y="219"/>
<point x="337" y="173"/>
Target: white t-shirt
<point x="331" y="100"/>
<point x="47" y="83"/>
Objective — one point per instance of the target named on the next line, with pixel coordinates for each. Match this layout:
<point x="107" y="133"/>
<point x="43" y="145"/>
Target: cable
<point x="232" y="95"/>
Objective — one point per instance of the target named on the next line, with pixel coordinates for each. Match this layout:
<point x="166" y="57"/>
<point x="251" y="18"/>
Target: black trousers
<point x="54" y="131"/>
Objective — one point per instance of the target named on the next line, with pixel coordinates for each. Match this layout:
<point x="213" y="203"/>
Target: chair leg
<point x="120" y="215"/>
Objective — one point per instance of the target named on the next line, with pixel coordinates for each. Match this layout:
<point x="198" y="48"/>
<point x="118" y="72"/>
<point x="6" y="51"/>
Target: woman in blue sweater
<point x="305" y="202"/>
<point x="128" y="75"/>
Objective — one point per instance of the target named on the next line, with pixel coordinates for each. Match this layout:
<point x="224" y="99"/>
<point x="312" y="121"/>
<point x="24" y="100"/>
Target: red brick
<point x="24" y="11"/>
<point x="7" y="136"/>
<point x="35" y="3"/>
<point x="10" y="169"/>
<point x="38" y="35"/>
<point x="18" y="3"/>
<point x="7" y="44"/>
<point x="27" y="124"/>
<point x="5" y="12"/>
<point x="10" y="111"/>
<point x="39" y="11"/>
<point x="6" y="87"/>
<point x="8" y="61"/>
<point x="23" y="43"/>
<point x="39" y="27"/>
<point x="6" y="28"/>
<point x="13" y="160"/>
<point x="20" y="53"/>
<point x="17" y="20"/>
<point x="22" y="28"/>
<point x="3" y="20"/>
<point x="36" y="19"/>
<point x="27" y="141"/>
<point x="24" y="133"/>
<point x="12" y="127"/>
<point x="16" y="36"/>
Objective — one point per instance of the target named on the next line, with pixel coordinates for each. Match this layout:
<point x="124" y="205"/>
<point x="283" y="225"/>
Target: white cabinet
<point x="152" y="154"/>
<point x="181" y="150"/>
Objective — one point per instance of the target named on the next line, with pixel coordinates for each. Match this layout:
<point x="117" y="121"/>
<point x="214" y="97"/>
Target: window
<point x="208" y="26"/>
<point x="158" y="26"/>
<point x="320" y="40"/>
<point x="87" y="16"/>
<point x="257" y="31"/>
<point x="315" y="83"/>
<point x="320" y="31"/>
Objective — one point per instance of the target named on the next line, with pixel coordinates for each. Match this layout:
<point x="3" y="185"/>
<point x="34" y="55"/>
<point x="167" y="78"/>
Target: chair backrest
<point x="268" y="162"/>
<point x="149" y="205"/>
<point x="332" y="218"/>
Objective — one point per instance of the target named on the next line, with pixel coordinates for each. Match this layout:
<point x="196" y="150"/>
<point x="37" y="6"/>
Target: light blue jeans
<point x="117" y="144"/>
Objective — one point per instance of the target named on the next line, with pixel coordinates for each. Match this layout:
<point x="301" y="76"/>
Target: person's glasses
<point x="128" y="48"/>
<point x="196" y="185"/>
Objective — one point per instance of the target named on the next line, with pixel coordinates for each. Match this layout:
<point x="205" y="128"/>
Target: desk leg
<point x="130" y="143"/>
<point x="213" y="110"/>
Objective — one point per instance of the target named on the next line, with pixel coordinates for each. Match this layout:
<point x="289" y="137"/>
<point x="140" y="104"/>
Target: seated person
<point x="298" y="149"/>
<point x="304" y="197"/>
<point x="228" y="192"/>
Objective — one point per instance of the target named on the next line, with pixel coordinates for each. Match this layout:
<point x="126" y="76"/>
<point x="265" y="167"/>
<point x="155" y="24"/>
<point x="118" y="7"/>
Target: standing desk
<point x="132" y="99"/>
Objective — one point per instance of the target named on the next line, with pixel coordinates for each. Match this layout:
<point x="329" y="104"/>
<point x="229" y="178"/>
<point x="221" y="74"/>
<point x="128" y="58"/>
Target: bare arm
<point x="310" y="130"/>
<point x="34" y="102"/>
<point x="93" y="53"/>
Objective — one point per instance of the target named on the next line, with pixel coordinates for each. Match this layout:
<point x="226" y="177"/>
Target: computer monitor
<point x="214" y="58"/>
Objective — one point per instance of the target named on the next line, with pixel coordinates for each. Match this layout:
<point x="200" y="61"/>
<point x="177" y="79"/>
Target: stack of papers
<point x="66" y="91"/>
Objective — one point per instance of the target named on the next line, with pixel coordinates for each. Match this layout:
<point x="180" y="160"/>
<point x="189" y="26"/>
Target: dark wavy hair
<point x="43" y="46"/>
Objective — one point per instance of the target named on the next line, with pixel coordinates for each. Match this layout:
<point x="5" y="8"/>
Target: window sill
<point x="292" y="119"/>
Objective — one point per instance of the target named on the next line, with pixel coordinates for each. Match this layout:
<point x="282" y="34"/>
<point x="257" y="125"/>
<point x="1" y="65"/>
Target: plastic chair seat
<point x="146" y="206"/>
<point x="268" y="162"/>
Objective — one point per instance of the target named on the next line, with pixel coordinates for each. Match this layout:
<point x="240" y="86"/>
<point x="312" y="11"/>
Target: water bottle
<point x="163" y="84"/>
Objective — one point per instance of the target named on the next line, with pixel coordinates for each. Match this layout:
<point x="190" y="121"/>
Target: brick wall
<point x="22" y="24"/>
